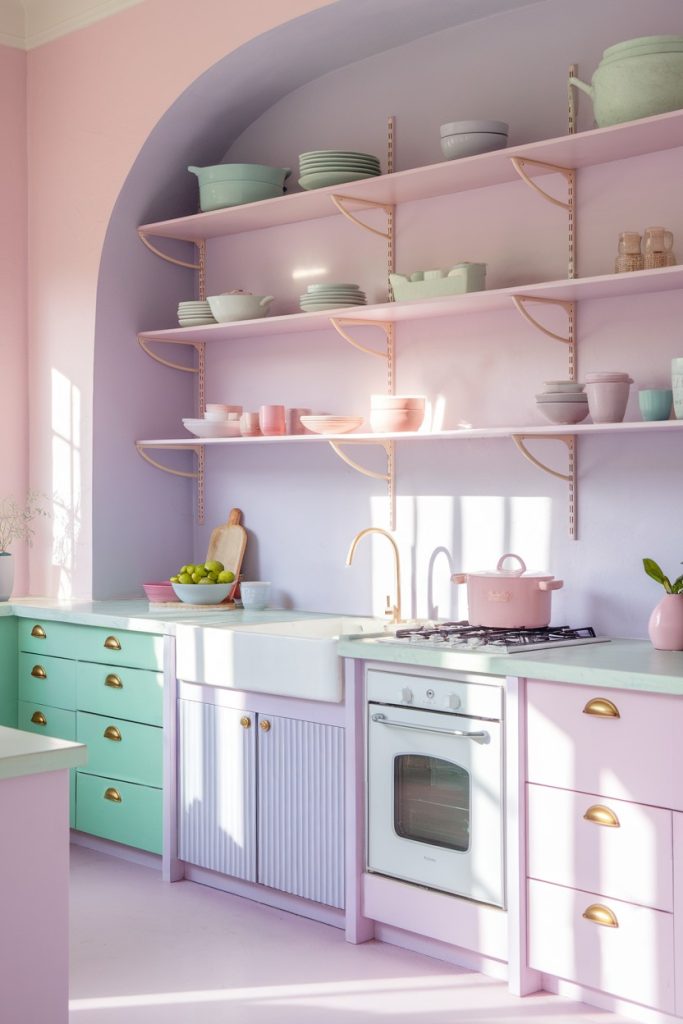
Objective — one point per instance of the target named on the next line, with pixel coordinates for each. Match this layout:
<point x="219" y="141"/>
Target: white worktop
<point x="24" y="753"/>
<point x="620" y="663"/>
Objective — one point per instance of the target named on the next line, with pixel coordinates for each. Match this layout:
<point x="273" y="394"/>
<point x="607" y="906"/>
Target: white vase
<point x="6" y="575"/>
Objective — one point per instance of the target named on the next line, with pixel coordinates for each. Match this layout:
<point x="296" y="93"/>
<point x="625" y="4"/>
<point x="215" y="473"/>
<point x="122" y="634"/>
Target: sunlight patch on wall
<point x="66" y="479"/>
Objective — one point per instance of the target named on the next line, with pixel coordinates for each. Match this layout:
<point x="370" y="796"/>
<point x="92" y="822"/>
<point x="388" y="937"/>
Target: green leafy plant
<point x="653" y="570"/>
<point x="16" y="520"/>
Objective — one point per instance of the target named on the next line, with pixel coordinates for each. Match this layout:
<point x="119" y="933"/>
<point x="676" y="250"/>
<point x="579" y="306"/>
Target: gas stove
<point x="461" y="636"/>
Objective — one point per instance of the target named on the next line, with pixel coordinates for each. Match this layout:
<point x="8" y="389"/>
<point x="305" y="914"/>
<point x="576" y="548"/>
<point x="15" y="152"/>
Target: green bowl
<point x="241" y="172"/>
<point x="220" y="194"/>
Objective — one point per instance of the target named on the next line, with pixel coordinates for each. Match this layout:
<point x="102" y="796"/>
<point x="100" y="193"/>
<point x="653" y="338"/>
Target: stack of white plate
<point x="323" y="167"/>
<point x="331" y="296"/>
<point x="195" y="314"/>
<point x="563" y="401"/>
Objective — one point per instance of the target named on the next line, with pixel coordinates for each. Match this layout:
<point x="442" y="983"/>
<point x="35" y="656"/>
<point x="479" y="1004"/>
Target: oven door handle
<point x="478" y="737"/>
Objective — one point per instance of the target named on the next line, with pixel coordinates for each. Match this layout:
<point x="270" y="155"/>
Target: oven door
<point x="435" y="803"/>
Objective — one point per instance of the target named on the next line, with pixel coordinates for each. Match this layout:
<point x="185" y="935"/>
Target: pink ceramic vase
<point x="666" y="624"/>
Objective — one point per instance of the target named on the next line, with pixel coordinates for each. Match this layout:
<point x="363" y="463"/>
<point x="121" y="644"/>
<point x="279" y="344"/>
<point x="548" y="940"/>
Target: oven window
<point x="432" y="801"/>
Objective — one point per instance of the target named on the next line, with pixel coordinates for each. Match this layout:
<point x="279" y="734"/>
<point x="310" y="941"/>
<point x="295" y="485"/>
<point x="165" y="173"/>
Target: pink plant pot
<point x="666" y="624"/>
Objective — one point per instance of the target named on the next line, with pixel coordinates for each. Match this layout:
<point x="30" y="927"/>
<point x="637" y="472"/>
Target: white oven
<point x="435" y="782"/>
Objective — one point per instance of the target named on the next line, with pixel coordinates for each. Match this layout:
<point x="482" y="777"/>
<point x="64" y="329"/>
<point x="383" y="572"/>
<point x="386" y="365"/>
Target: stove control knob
<point x="454" y="701"/>
<point x="407" y="695"/>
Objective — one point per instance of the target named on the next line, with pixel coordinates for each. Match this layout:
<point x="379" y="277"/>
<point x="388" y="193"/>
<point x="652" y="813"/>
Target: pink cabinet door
<point x="619" y="849"/>
<point x="630" y="954"/>
<point x="678" y="908"/>
<point x="628" y="748"/>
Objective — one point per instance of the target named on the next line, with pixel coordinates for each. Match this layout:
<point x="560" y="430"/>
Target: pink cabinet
<point x="605" y="896"/>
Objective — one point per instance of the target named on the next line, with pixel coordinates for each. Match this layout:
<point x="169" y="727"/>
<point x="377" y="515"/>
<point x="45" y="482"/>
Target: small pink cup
<point x="249" y="424"/>
<point x="294" y="424"/>
<point x="272" y="420"/>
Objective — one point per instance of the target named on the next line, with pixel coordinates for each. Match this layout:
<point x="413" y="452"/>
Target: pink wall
<point x="93" y="98"/>
<point x="14" y="444"/>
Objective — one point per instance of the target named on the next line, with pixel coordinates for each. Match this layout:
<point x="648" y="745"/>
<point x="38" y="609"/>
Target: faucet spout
<point x="394" y="610"/>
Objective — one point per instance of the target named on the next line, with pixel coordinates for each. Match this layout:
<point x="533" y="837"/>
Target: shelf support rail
<point x="197" y="474"/>
<point x="569" y="308"/>
<point x="520" y="163"/>
<point x="570" y="476"/>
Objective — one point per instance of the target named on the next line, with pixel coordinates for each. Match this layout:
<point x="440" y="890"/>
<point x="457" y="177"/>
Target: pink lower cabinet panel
<point x="451" y="919"/>
<point x="618" y="743"/>
<point x="584" y="841"/>
<point x="678" y="908"/>
<point x="605" y="944"/>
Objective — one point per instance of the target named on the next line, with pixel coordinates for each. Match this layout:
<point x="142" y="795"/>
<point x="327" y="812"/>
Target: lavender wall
<point x="459" y="506"/>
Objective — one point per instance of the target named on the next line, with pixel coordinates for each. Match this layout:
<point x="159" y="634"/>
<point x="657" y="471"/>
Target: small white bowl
<point x="564" y="412"/>
<point x="212" y="428"/>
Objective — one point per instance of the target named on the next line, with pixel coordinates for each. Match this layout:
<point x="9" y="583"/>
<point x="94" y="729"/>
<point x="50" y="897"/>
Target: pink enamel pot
<point x="508" y="598"/>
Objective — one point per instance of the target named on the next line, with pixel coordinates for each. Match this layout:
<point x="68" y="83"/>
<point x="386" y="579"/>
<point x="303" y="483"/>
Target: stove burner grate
<point x="462" y="634"/>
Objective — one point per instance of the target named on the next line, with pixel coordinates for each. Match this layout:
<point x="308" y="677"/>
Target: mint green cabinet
<point x="102" y="687"/>
<point x="8" y="671"/>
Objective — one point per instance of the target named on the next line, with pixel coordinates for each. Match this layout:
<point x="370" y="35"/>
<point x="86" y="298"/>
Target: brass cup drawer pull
<point x="112" y="644"/>
<point x="245" y="722"/>
<point x="599" y="914"/>
<point x="112" y="733"/>
<point x="38" y="632"/>
<point x="38" y="718"/>
<point x="601" y="708"/>
<point x="601" y="815"/>
<point x="38" y="672"/>
<point x="113" y="681"/>
<point x="113" y="795"/>
<point x="264" y="725"/>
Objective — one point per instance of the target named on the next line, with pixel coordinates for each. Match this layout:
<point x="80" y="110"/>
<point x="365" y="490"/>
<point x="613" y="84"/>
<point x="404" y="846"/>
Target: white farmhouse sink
<point x="296" y="658"/>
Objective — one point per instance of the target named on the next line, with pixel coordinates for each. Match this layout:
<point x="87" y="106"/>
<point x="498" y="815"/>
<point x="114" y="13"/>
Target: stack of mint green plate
<point x="322" y="167"/>
<point x="331" y="296"/>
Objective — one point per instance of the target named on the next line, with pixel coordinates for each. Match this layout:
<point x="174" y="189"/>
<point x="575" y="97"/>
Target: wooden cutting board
<point x="227" y="543"/>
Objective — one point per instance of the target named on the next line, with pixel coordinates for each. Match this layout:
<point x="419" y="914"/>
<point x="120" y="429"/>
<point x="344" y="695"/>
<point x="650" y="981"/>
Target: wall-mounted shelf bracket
<point x="387" y="327"/>
<point x="197" y="345"/>
<point x="570" y="476"/>
<point x="197" y="474"/>
<point x="520" y="163"/>
<point x="520" y="302"/>
<point x="389" y="476"/>
<point x="164" y="256"/>
<point x="339" y="201"/>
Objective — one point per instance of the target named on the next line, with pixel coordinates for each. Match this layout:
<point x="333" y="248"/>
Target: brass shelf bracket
<point x="388" y="477"/>
<point x="197" y="474"/>
<point x="387" y="327"/>
<point x="340" y="200"/>
<point x="144" y="345"/>
<point x="570" y="338"/>
<point x="164" y="256"/>
<point x="570" y="477"/>
<point x="569" y="173"/>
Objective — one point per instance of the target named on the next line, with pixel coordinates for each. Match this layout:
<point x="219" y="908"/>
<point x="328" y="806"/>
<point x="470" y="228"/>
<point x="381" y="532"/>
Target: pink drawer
<point x="635" y="755"/>
<point x="634" y="960"/>
<point x="584" y="841"/>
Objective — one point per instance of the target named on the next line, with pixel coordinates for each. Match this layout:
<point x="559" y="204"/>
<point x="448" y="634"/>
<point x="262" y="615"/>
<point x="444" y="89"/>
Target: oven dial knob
<point x="407" y="695"/>
<point x="454" y="701"/>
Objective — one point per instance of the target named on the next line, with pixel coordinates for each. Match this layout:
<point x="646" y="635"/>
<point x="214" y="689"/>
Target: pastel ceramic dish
<point x="391" y="421"/>
<point x="561" y="396"/>
<point x="527" y="596"/>
<point x="212" y="428"/>
<point x="607" y="399"/>
<point x="223" y="185"/>
<point x="241" y="172"/>
<point x="323" y="179"/>
<point x="425" y="284"/>
<point x="677" y="385"/>
<point x="228" y="308"/>
<point x="655" y="403"/>
<point x="202" y="593"/>
<point x="636" y="78"/>
<point x="159" y="592"/>
<point x="331" y="424"/>
<point x="563" y="412"/>
<point x="416" y="402"/>
<point x="568" y="386"/>
<point x="468" y="138"/>
<point x="254" y="594"/>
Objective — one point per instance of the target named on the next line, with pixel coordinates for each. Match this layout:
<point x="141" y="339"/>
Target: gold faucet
<point x="393" y="610"/>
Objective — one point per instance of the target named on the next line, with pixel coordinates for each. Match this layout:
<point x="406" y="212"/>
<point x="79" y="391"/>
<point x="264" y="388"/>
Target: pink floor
<point x="143" y="952"/>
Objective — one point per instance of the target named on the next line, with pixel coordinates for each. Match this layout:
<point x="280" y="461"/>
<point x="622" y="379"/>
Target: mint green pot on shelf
<point x="636" y="78"/>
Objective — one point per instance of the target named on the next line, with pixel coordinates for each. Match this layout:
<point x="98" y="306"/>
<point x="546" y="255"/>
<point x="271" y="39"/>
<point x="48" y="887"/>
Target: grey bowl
<point x="454" y="147"/>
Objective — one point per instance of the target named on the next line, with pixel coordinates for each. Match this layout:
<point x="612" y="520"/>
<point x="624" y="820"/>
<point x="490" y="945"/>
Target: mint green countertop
<point x="617" y="664"/>
<point x="24" y="753"/>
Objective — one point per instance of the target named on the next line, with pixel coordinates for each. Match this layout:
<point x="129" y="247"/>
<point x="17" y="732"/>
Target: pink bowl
<point x="388" y="421"/>
<point x="159" y="591"/>
<point x="397" y="402"/>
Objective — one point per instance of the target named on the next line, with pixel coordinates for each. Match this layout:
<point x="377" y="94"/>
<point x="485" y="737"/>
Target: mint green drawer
<point x="47" y="680"/>
<point x="134" y="757"/>
<point x="135" y="818"/>
<point x="58" y="723"/>
<point x="132" y="693"/>
<point x="92" y="643"/>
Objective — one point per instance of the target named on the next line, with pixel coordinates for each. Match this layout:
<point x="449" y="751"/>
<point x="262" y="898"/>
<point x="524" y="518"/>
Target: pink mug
<point x="294" y="424"/>
<point x="272" y="420"/>
<point x="249" y="424"/>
